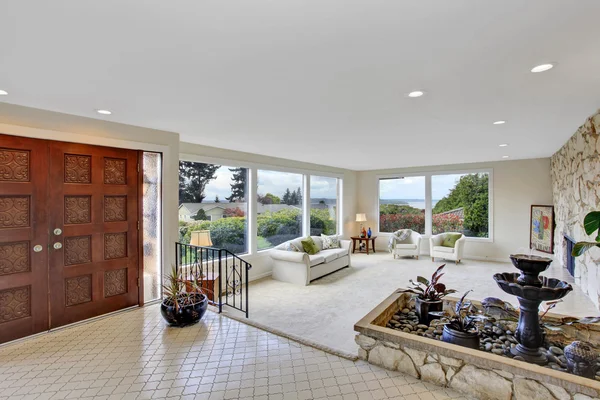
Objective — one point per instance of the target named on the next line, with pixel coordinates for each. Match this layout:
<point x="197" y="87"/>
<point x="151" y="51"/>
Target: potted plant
<point x="428" y="294"/>
<point x="461" y="329"/>
<point x="591" y="224"/>
<point x="180" y="307"/>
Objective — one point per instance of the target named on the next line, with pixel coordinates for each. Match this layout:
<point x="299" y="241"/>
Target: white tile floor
<point x="133" y="355"/>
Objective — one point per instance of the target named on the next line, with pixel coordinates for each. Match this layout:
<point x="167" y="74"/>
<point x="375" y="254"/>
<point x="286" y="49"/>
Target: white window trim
<point x="428" y="197"/>
<point x="253" y="168"/>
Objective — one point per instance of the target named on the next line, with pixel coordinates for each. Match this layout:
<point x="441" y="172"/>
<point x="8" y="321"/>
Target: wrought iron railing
<point x="219" y="272"/>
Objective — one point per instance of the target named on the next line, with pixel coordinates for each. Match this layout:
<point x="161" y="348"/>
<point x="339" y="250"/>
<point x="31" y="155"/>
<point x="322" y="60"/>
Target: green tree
<point x="286" y="198"/>
<point x="217" y="200"/>
<point x="470" y="193"/>
<point x="193" y="178"/>
<point x="268" y="198"/>
<point x="238" y="187"/>
<point x="200" y="215"/>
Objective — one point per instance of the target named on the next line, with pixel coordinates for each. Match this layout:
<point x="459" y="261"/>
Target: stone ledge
<point x="472" y="372"/>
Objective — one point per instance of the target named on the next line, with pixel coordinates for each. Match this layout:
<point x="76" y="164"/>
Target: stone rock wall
<point x="472" y="380"/>
<point x="576" y="191"/>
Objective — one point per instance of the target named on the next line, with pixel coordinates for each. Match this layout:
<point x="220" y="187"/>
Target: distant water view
<point x="416" y="203"/>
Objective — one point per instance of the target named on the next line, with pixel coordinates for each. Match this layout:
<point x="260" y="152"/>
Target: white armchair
<point x="450" y="253"/>
<point x="411" y="246"/>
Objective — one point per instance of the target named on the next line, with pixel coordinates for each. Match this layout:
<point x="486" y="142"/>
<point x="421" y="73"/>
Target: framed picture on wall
<point x="541" y="228"/>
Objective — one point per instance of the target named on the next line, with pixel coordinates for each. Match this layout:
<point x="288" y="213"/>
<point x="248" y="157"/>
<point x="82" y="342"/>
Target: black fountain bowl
<point x="552" y="289"/>
<point x="530" y="264"/>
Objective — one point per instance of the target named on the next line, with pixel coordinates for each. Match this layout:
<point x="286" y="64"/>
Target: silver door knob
<point x="58" y="245"/>
<point x="57" y="231"/>
<point x="37" y="248"/>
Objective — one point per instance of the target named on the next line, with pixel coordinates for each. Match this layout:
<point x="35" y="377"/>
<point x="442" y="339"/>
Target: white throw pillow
<point x="330" y="242"/>
<point x="289" y="246"/>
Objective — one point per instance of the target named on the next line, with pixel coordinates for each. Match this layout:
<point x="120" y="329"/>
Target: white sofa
<point x="411" y="246"/>
<point x="449" y="253"/>
<point x="301" y="268"/>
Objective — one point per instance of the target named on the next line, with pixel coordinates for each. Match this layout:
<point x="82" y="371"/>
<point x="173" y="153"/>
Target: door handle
<point x="37" y="248"/>
<point x="57" y="246"/>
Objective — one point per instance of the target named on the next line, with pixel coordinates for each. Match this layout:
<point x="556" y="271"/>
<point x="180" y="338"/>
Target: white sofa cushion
<point x="316" y="259"/>
<point x="443" y="249"/>
<point x="329" y="255"/>
<point x="406" y="246"/>
<point x="341" y="252"/>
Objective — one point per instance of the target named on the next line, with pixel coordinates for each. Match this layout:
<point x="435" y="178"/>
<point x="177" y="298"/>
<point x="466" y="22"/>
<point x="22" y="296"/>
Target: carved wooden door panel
<point x="23" y="226"/>
<point x="93" y="231"/>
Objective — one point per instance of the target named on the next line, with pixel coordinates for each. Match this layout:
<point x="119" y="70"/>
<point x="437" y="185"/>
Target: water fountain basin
<point x="548" y="289"/>
<point x="530" y="266"/>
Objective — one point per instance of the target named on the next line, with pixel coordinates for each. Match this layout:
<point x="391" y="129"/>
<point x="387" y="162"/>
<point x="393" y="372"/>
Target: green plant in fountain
<point x="465" y="316"/>
<point x="429" y="290"/>
<point x="174" y="289"/>
<point x="591" y="224"/>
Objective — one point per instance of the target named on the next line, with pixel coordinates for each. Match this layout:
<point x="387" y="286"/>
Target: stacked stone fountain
<point x="531" y="290"/>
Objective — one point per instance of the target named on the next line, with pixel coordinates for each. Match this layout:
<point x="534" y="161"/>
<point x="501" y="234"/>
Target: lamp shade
<point x="361" y="217"/>
<point x="201" y="238"/>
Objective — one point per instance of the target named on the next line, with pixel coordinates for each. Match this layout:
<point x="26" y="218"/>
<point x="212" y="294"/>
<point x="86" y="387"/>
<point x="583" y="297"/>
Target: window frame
<point x="253" y="168"/>
<point x="428" y="198"/>
<point x="338" y="190"/>
<point x="233" y="164"/>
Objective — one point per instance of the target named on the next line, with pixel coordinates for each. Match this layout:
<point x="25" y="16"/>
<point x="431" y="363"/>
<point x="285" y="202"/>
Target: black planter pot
<point x="465" y="339"/>
<point x="423" y="308"/>
<point x="186" y="315"/>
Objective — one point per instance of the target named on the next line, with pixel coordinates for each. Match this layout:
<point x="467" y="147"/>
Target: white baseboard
<point x="257" y="277"/>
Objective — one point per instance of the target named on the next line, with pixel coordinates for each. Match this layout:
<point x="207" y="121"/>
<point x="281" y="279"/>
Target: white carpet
<point x="324" y="313"/>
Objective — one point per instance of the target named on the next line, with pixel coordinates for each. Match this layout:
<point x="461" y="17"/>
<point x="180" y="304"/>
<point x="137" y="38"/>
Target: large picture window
<point x="460" y="203"/>
<point x="279" y="207"/>
<point x="323" y="205"/>
<point x="214" y="198"/>
<point x="402" y="204"/>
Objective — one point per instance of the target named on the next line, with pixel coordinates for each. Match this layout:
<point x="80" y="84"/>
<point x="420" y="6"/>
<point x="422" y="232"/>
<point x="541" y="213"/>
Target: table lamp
<point x="361" y="218"/>
<point x="201" y="239"/>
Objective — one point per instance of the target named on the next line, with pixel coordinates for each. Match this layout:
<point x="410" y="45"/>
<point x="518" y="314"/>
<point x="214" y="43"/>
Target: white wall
<point x="261" y="262"/>
<point x="31" y="122"/>
<point x="516" y="186"/>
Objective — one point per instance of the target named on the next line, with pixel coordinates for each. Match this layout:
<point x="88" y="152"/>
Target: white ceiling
<point x="321" y="81"/>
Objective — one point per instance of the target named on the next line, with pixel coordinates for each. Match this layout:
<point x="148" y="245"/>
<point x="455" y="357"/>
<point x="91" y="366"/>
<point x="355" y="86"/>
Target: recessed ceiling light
<point x="416" y="93"/>
<point x="3" y="93"/>
<point x="104" y="112"/>
<point x="542" y="68"/>
<point x="499" y="122"/>
<point x="504" y="156"/>
<point x="503" y="145"/>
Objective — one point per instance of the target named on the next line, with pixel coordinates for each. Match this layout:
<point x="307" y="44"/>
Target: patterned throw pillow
<point x="289" y="246"/>
<point x="330" y="242"/>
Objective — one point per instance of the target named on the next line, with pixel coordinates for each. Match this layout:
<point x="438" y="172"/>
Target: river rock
<point x="557" y="351"/>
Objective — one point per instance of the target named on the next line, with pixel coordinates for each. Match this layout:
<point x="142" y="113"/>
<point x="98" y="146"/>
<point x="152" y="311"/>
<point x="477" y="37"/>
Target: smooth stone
<point x="422" y="326"/>
<point x="498" y="351"/>
<point x="487" y="340"/>
<point x="552" y="358"/>
<point x="557" y="351"/>
<point x="488" y="347"/>
<point x="503" y="338"/>
<point x="406" y="330"/>
<point x="509" y="333"/>
<point x="395" y="317"/>
<point x="518" y="358"/>
<point x="562" y="358"/>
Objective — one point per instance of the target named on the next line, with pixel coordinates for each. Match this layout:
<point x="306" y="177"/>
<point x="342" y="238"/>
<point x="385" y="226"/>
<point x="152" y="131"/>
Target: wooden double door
<point x="68" y="233"/>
